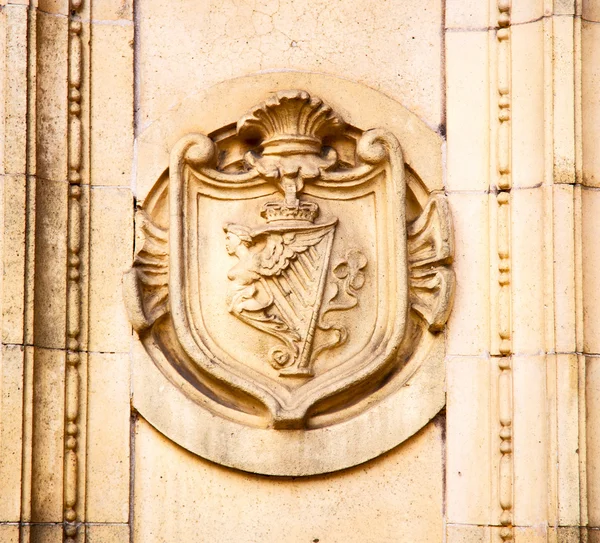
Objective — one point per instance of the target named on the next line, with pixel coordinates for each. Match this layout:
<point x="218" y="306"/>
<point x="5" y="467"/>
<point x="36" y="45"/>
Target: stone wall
<point x="472" y="414"/>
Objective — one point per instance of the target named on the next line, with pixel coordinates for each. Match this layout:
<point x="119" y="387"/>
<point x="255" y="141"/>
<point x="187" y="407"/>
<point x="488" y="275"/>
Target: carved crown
<point x="290" y="122"/>
<point x="278" y="211"/>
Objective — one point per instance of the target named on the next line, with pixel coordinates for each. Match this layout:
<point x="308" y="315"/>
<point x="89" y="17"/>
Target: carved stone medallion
<point x="282" y="274"/>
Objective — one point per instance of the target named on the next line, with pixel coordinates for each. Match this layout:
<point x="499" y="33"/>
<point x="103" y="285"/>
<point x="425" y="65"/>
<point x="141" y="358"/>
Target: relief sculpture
<point x="285" y="270"/>
<point x="277" y="284"/>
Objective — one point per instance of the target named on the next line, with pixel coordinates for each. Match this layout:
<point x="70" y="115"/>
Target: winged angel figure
<point x="277" y="285"/>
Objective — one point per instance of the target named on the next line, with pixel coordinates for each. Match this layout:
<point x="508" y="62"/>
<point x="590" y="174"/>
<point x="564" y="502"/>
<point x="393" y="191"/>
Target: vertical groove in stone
<point x="505" y="404"/>
<point x="72" y="470"/>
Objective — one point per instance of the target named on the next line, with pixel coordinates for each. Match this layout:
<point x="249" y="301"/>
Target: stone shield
<point x="286" y="276"/>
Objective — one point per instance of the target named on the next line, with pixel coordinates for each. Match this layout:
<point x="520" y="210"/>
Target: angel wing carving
<point x="280" y="249"/>
<point x="277" y="285"/>
<point x="431" y="249"/>
<point x="146" y="284"/>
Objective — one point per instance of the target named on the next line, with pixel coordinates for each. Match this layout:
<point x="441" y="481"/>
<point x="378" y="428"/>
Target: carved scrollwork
<point x="349" y="279"/>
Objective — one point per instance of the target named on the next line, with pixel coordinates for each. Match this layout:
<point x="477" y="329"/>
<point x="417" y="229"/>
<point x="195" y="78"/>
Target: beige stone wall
<point x="510" y="91"/>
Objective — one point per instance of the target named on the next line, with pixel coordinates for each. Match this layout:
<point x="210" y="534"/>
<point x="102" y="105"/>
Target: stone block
<point x="403" y="487"/>
<point x="527" y="104"/>
<point x="111" y="234"/>
<point x="112" y="105"/>
<point x="108" y="440"/>
<point x="468" y="327"/>
<point x="469" y="434"/>
<point x="468" y="119"/>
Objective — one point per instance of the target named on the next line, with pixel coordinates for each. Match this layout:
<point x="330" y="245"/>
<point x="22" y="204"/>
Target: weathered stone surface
<point x="396" y="495"/>
<point x="320" y="271"/>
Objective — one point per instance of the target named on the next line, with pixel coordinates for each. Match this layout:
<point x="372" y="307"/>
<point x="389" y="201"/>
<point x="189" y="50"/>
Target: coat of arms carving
<point x="279" y="273"/>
